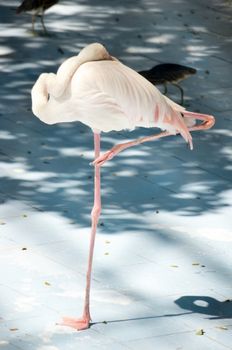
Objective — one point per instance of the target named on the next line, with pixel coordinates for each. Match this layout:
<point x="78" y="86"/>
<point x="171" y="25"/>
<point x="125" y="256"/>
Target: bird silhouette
<point x="99" y="91"/>
<point x="36" y="8"/>
<point x="171" y="73"/>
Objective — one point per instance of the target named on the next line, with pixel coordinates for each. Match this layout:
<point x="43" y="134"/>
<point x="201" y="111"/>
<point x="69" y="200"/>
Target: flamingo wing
<point x="111" y="96"/>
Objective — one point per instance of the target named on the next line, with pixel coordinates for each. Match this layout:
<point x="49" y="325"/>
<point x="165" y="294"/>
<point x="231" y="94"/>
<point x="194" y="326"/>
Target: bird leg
<point x="208" y="122"/>
<point x="165" y="89"/>
<point x="83" y="323"/>
<point x="119" y="148"/>
<point x="33" y="23"/>
<point x="42" y="22"/>
<point x="181" y="91"/>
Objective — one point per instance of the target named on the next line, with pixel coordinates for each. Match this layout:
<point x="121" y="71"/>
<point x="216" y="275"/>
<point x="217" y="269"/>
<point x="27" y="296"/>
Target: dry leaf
<point x="106" y="253"/>
<point x="47" y="283"/>
<point x="14" y="329"/>
<point x="200" y="332"/>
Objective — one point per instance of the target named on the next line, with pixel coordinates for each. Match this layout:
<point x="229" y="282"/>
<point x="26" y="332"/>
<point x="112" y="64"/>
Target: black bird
<point x="171" y="73"/>
<point x="36" y="8"/>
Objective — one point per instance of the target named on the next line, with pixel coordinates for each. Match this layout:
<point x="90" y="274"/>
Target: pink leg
<point x="84" y="322"/>
<point x="118" y="148"/>
<point x="208" y="122"/>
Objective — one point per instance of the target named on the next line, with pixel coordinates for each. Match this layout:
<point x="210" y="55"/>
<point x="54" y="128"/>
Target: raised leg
<point x="208" y="122"/>
<point x="84" y="322"/>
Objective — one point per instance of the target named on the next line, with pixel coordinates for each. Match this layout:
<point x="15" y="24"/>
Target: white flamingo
<point x="99" y="91"/>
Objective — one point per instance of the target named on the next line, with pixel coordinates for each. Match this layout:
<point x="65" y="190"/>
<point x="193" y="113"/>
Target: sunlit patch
<point x="3" y="342"/>
<point x="70" y="152"/>
<point x="48" y="347"/>
<point x="64" y="10"/>
<point x="201" y="303"/>
<point x="6" y="135"/>
<point x="201" y="50"/>
<point x="212" y="233"/>
<point x="21" y="171"/>
<point x="25" y="304"/>
<point x="215" y="233"/>
<point x="161" y="39"/>
<point x="5" y="50"/>
<point x="51" y="331"/>
<point x="102" y="296"/>
<point x="143" y="50"/>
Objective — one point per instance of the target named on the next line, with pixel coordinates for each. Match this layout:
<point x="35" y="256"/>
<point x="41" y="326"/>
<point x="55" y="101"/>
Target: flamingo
<point x="98" y="90"/>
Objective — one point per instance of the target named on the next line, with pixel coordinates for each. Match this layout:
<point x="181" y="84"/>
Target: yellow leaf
<point x="200" y="332"/>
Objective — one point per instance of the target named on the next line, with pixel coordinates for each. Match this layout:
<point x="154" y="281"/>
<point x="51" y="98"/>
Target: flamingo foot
<point x="78" y="324"/>
<point x="108" y="155"/>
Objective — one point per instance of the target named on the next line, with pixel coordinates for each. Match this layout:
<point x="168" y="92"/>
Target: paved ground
<point x="162" y="267"/>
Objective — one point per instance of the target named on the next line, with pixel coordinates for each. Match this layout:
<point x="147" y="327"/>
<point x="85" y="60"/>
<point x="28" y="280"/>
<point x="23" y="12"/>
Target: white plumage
<point x="104" y="94"/>
<point x="99" y="91"/>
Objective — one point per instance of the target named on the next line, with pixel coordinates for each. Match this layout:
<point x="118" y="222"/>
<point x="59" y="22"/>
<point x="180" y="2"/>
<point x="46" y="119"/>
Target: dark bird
<point x="36" y="8"/>
<point x="171" y="73"/>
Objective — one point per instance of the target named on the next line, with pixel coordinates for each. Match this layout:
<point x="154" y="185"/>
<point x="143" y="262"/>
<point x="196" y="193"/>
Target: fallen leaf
<point x="200" y="332"/>
<point x="24" y="216"/>
<point x="47" y="283"/>
<point x="106" y="253"/>
<point x="2" y="223"/>
<point x="14" y="329"/>
<point x="107" y="242"/>
<point x="174" y="266"/>
<point x="24" y="248"/>
<point x="195" y="264"/>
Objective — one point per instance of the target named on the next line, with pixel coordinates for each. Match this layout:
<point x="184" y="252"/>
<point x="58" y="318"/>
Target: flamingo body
<point x="99" y="91"/>
<point x="105" y="95"/>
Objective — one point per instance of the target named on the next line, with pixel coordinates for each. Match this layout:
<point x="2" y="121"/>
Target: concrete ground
<point x="162" y="274"/>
